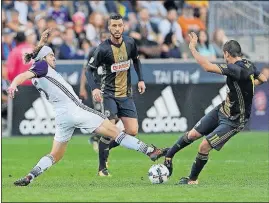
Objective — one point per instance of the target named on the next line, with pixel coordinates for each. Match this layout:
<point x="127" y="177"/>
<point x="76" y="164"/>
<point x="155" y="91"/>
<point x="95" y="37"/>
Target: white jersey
<point x="55" y="89"/>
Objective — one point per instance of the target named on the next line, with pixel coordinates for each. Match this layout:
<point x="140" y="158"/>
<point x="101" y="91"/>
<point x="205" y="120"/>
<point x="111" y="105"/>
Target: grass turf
<point x="238" y="173"/>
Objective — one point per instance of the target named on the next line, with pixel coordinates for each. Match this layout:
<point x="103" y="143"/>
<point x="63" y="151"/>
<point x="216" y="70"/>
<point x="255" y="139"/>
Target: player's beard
<point x="118" y="36"/>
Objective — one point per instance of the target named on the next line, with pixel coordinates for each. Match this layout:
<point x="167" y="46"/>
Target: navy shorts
<point x="117" y="107"/>
<point x="217" y="128"/>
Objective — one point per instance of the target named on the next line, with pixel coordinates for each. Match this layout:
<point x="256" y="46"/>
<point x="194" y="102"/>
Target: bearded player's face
<point x="116" y="28"/>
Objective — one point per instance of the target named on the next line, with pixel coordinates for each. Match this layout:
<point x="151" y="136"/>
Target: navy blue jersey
<point x="240" y="80"/>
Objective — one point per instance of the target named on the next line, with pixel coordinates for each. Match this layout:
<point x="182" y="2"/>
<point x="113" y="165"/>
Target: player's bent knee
<point x="193" y="135"/>
<point x="132" y="132"/>
<point x="204" y="147"/>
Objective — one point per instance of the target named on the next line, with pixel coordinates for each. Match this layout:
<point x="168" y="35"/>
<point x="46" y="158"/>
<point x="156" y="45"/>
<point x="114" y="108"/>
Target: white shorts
<point x="81" y="117"/>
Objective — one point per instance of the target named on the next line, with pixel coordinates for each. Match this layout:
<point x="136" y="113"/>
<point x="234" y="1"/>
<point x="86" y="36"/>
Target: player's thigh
<point x="221" y="135"/>
<point x="110" y="108"/>
<point x="108" y="129"/>
<point x="130" y="125"/>
<point x="207" y="123"/>
<point x="64" y="128"/>
<point x="126" y="108"/>
<point x="88" y="119"/>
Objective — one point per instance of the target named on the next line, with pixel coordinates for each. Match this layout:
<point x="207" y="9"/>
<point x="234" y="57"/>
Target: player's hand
<point x="97" y="95"/>
<point x="141" y="87"/>
<point x="11" y="91"/>
<point x="45" y="36"/>
<point x="193" y="40"/>
<point x="83" y="93"/>
<point x="265" y="72"/>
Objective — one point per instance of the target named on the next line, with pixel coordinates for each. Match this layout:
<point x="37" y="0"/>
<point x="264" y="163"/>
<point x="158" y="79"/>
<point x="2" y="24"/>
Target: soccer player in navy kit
<point x="227" y="119"/>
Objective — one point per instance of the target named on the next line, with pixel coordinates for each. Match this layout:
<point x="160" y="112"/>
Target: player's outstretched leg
<point x="128" y="141"/>
<point x="57" y="152"/>
<point x="103" y="156"/>
<point x="183" y="142"/>
<point x="198" y="164"/>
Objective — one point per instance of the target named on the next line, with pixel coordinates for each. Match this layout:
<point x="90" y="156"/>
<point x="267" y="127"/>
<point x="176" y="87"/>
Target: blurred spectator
<point x="146" y="32"/>
<point x="170" y="25"/>
<point x="15" y="62"/>
<point x="170" y="47"/>
<point x="41" y="25"/>
<point x="99" y="6"/>
<point x="22" y="8"/>
<point x="95" y="26"/>
<point x="200" y="3"/>
<point x="111" y="6"/>
<point x="184" y="47"/>
<point x="4" y="98"/>
<point x="58" y="12"/>
<point x="55" y="41"/>
<point x="36" y="8"/>
<point x="82" y="6"/>
<point x="14" y="24"/>
<point x="125" y="8"/>
<point x="204" y="47"/>
<point x="219" y="39"/>
<point x="8" y="42"/>
<point x="188" y="22"/>
<point x="4" y="18"/>
<point x="51" y="23"/>
<point x="31" y="37"/>
<point x="7" y="6"/>
<point x="86" y="47"/>
<point x="69" y="49"/>
<point x="79" y="19"/>
<point x="156" y="10"/>
<point x="169" y="4"/>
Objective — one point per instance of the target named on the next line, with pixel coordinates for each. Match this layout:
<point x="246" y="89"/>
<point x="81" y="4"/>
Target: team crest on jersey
<point x="121" y="66"/>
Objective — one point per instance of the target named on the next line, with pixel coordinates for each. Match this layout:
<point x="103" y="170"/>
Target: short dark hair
<point x="233" y="48"/>
<point x="114" y="16"/>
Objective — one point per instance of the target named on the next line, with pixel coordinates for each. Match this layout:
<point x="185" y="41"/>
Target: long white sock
<point x="44" y="163"/>
<point x="131" y="142"/>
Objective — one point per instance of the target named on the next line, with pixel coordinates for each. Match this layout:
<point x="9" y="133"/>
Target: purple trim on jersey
<point x="40" y="69"/>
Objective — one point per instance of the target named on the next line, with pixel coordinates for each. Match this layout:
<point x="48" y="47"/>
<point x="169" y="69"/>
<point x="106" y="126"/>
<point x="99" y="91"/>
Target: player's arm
<point x="260" y="78"/>
<point x="138" y="69"/>
<point x="94" y="62"/>
<point x="41" y="43"/>
<point x="203" y="61"/>
<point x="18" y="80"/>
<point x="38" y="70"/>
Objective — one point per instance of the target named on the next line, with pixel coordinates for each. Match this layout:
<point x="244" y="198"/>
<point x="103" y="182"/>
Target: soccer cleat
<point x="187" y="181"/>
<point x="156" y="153"/>
<point x="104" y="172"/>
<point x="169" y="165"/>
<point x="23" y="181"/>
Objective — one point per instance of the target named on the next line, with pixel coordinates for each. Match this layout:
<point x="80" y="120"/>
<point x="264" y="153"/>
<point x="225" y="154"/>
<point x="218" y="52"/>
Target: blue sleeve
<point x="40" y="69"/>
<point x="231" y="70"/>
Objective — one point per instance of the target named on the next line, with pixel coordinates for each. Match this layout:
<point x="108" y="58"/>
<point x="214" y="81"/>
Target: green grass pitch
<point x="237" y="173"/>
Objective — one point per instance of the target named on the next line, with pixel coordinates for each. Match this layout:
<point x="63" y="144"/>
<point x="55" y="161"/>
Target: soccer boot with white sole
<point x="169" y="165"/>
<point x="23" y="181"/>
<point x="187" y="181"/>
<point x="104" y="173"/>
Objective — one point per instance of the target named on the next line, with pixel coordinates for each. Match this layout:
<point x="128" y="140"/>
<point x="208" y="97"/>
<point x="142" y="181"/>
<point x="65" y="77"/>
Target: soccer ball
<point x="158" y="173"/>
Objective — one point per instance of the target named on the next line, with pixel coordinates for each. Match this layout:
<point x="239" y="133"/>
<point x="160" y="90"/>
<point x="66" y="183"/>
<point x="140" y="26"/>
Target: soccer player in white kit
<point x="70" y="112"/>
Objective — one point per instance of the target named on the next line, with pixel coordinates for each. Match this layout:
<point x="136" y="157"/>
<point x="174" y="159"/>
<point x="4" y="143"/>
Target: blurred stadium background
<point x="160" y="29"/>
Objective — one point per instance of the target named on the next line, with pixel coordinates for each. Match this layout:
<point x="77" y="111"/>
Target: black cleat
<point x="157" y="153"/>
<point x="23" y="181"/>
<point x="187" y="181"/>
<point x="169" y="165"/>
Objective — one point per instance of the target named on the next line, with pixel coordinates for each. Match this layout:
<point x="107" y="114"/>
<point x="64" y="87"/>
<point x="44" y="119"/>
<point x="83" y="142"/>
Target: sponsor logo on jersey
<point x="164" y="115"/>
<point x="121" y="66"/>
